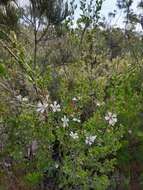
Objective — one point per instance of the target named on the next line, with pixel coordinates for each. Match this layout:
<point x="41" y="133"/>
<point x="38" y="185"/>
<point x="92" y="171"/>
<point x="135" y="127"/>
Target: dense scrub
<point x="71" y="115"/>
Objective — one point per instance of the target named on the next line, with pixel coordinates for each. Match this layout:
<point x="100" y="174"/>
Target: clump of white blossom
<point x="111" y="118"/>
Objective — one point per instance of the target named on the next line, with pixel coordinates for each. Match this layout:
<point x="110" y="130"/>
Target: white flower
<point x="99" y="104"/>
<point x="90" y="139"/>
<point x="41" y="107"/>
<point x="74" y="99"/>
<point x="25" y="99"/>
<point x="130" y="131"/>
<point x="55" y="107"/>
<point x="21" y="99"/>
<point x="111" y="118"/>
<point x="65" y="121"/>
<point x="56" y="165"/>
<point x="74" y="135"/>
<point x="76" y="120"/>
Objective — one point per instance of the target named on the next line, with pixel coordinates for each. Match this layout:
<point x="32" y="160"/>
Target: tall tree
<point x="130" y="16"/>
<point x="9" y="15"/>
<point x="41" y="15"/>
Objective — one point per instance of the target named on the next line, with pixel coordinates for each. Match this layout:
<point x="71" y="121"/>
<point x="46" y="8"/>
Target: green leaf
<point x="33" y="178"/>
<point x="3" y="35"/>
<point x="2" y="70"/>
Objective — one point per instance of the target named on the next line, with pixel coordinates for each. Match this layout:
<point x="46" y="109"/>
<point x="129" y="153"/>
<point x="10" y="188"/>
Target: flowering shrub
<point x="52" y="143"/>
<point x="55" y="143"/>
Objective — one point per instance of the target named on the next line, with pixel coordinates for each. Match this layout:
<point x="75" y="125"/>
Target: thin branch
<point x="9" y="50"/>
<point x="43" y="34"/>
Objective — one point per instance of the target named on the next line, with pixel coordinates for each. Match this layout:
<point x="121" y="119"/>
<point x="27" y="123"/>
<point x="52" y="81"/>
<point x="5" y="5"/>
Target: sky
<point x="108" y="6"/>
